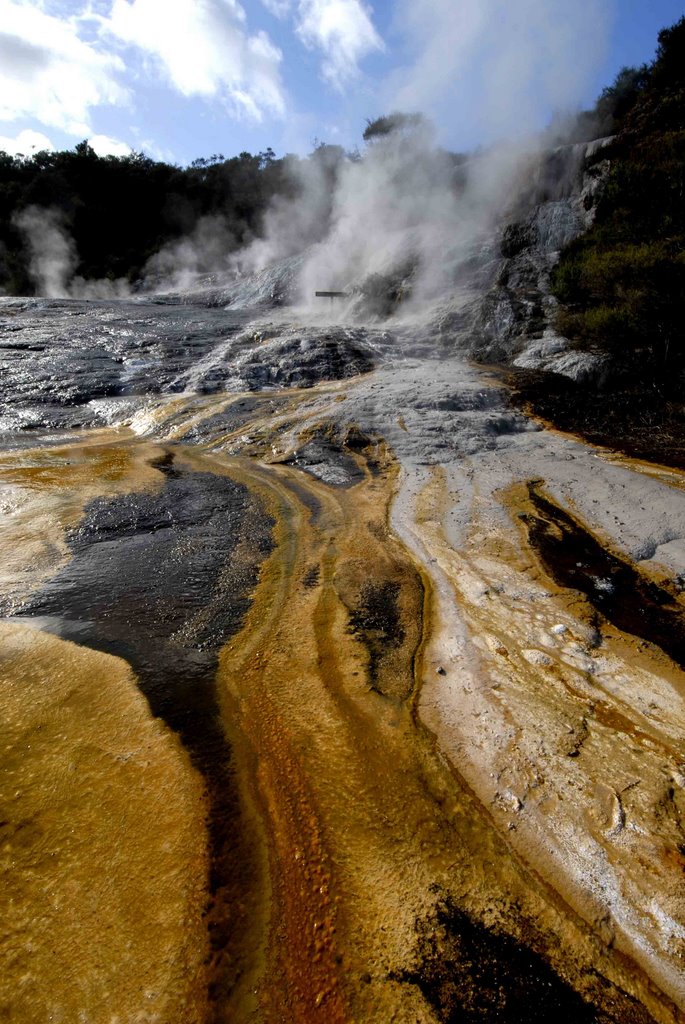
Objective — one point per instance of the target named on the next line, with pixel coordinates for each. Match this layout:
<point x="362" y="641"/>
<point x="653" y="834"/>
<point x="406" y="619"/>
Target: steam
<point x="407" y="210"/>
<point x="407" y="213"/>
<point x="408" y="207"/>
<point x="210" y="253"/>
<point x="295" y="222"/>
<point x="488" y="69"/>
<point x="404" y="208"/>
<point x="52" y="253"/>
<point x="184" y="263"/>
<point x="408" y="216"/>
<point x="53" y="258"/>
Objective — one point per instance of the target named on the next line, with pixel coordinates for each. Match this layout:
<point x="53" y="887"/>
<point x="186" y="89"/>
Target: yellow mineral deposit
<point x="402" y="718"/>
<point x="103" y="854"/>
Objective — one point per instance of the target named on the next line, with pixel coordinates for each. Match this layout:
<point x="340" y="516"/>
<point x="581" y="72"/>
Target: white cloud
<point x="343" y="29"/>
<point x="279" y="8"/>
<point x="205" y="50"/>
<point x="26" y="142"/>
<point x="106" y="146"/>
<point x="48" y="73"/>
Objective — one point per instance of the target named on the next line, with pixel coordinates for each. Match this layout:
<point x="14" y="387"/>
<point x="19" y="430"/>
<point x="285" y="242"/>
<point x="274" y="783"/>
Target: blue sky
<point x="185" y="78"/>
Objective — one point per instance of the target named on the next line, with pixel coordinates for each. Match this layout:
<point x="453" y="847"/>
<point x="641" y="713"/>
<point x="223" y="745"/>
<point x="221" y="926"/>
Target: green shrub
<point x="622" y="284"/>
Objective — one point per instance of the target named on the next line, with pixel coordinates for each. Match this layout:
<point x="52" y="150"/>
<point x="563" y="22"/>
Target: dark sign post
<point x="331" y="295"/>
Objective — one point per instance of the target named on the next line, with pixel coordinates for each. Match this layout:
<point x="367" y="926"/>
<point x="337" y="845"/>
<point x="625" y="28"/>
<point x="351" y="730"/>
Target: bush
<point x="622" y="284"/>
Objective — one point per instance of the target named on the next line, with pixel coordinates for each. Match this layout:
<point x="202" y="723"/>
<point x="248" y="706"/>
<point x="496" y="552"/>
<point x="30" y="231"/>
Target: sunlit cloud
<point x="103" y="145"/>
<point x="343" y="30"/>
<point x="48" y="73"/>
<point x="25" y="143"/>
<point x="203" y="48"/>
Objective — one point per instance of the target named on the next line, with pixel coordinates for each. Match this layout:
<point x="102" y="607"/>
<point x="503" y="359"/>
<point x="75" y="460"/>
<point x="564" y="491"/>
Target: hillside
<point x="621" y="284"/>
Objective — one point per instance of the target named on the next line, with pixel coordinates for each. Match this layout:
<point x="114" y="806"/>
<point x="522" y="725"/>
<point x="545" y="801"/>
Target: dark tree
<point x="392" y="124"/>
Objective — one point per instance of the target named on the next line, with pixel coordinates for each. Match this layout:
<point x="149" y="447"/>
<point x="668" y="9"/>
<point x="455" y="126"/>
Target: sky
<point x="181" y="79"/>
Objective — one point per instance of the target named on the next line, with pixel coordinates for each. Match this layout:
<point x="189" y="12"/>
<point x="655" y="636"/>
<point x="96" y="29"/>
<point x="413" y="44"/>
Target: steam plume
<point x="53" y="258"/>
<point x="493" y="69"/>
<point x="504" y="66"/>
<point x="407" y="202"/>
<point x="182" y="264"/>
<point x="52" y="253"/>
<point x="407" y="207"/>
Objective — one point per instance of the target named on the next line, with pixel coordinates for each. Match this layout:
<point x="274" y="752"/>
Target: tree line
<point x="121" y="210"/>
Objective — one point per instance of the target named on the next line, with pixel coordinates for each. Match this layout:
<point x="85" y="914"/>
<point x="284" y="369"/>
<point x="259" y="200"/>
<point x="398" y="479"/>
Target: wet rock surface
<point x="62" y="354"/>
<point x="325" y="454"/>
<point x="471" y="973"/>
<point x="513" y="320"/>
<point x="162" y="581"/>
<point x="71" y="363"/>
<point x="623" y="595"/>
<point x="638" y="424"/>
<point x="349" y="650"/>
<point x="146" y="570"/>
<point x="102" y="872"/>
<point x="377" y="621"/>
<point x="280" y="354"/>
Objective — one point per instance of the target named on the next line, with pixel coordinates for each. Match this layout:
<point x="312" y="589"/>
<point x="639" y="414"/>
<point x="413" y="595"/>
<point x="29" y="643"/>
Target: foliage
<point x="614" y="104"/>
<point x="392" y="124"/>
<point x="619" y="98"/>
<point x="122" y="210"/>
<point x="622" y="284"/>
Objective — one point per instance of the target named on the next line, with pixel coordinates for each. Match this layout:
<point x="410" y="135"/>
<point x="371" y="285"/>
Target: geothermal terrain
<point x="335" y="688"/>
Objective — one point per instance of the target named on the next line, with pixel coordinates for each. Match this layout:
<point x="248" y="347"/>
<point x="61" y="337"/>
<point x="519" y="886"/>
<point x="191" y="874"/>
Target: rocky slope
<point x="514" y="320"/>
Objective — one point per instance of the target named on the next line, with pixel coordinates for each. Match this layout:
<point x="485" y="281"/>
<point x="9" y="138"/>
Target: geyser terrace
<point x="341" y="642"/>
